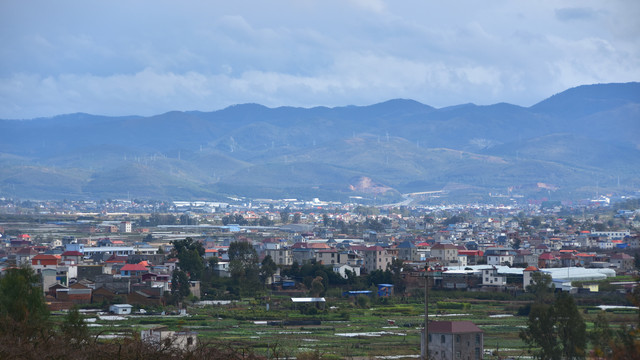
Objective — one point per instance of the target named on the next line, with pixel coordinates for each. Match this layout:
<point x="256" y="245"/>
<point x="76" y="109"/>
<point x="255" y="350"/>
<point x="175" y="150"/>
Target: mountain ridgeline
<point x="575" y="144"/>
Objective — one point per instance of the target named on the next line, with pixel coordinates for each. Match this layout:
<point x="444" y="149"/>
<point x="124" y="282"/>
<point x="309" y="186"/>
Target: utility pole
<point x="425" y="349"/>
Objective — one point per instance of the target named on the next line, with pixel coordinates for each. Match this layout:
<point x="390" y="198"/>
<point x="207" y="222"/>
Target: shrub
<point x="452" y="305"/>
<point x="363" y="301"/>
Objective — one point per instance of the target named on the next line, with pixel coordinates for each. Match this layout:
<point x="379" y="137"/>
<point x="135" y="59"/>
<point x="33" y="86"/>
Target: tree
<point x="540" y="332"/>
<point x="396" y="267"/>
<point x="268" y="268"/>
<point x="180" y="287"/>
<point x="264" y="221"/>
<point x="189" y="254"/>
<point x="600" y="227"/>
<point x="542" y="287"/>
<point x="601" y="336"/>
<point x="374" y="225"/>
<point x="243" y="265"/>
<point x="23" y="309"/>
<point x="516" y="243"/>
<point x="317" y="288"/>
<point x="379" y="277"/>
<point x="284" y="215"/>
<point x="536" y="221"/>
<point x="455" y="219"/>
<point x="297" y="218"/>
<point x="556" y="330"/>
<point x="367" y="210"/>
<point x="572" y="331"/>
<point x="74" y="328"/>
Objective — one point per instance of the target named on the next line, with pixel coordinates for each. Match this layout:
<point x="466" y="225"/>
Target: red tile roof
<point x="133" y="267"/>
<point x="453" y="327"/>
<point x="470" y="252"/>
<point x="547" y="256"/>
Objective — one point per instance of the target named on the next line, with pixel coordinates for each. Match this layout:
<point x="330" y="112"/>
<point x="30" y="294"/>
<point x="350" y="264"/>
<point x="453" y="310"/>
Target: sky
<point x="147" y="57"/>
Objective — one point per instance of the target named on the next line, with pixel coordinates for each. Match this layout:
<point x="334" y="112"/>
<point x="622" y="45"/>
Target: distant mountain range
<point x="575" y="144"/>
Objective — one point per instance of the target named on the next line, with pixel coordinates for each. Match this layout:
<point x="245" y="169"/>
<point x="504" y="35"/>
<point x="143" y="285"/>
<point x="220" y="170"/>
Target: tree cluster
<point x="190" y="255"/>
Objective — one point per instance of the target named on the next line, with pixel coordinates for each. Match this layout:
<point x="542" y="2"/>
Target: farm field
<point x="341" y="329"/>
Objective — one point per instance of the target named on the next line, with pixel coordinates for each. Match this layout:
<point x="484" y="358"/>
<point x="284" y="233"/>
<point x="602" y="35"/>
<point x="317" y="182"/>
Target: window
<point x="442" y="339"/>
<point x="429" y="337"/>
<point x="477" y="339"/>
<point x="458" y="339"/>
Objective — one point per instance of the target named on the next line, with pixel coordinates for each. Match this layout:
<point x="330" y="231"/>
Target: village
<point x="300" y="256"/>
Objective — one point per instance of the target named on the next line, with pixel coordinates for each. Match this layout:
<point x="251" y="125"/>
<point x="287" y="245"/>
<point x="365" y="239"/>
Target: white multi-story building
<point x="612" y="235"/>
<point x="490" y="277"/>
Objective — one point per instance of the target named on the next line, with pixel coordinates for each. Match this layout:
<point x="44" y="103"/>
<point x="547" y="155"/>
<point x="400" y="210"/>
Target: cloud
<point x="377" y="6"/>
<point x="569" y="14"/>
<point x="200" y="56"/>
<point x="356" y="78"/>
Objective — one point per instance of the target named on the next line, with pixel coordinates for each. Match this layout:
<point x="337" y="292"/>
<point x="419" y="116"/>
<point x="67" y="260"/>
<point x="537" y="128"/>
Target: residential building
<point x="342" y="270"/>
<point x="500" y="256"/>
<point x="376" y="258"/>
<point x="125" y="227"/>
<point x="622" y="261"/>
<point x="446" y="253"/>
<point x="454" y="340"/>
<point x="527" y="276"/>
<point x="280" y="256"/>
<point x="408" y="251"/>
<point x="490" y="277"/>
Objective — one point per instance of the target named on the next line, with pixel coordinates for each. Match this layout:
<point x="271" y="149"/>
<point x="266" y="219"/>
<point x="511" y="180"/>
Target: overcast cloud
<point x="147" y="57"/>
